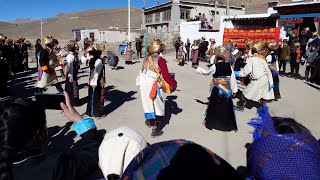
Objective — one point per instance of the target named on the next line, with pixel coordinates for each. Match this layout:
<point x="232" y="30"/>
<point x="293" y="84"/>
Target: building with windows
<point x="168" y="17"/>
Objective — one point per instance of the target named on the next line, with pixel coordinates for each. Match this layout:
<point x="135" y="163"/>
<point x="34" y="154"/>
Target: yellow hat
<point x="2" y="37"/>
<point x="156" y="46"/>
<point x="48" y="40"/>
<point x="71" y="45"/>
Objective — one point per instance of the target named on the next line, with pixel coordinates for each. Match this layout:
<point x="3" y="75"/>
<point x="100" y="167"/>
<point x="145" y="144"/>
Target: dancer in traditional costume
<point x="72" y="73"/>
<point x="47" y="60"/>
<point x="95" y="106"/>
<point x="152" y="77"/>
<point x="261" y="85"/>
<point x="274" y="67"/>
<point x="220" y="113"/>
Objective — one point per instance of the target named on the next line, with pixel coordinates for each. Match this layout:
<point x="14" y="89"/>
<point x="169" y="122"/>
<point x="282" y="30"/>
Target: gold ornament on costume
<point x="273" y="46"/>
<point x="156" y="46"/>
<point x="72" y="45"/>
<point x="48" y="40"/>
<point x="2" y="37"/>
<point x="221" y="51"/>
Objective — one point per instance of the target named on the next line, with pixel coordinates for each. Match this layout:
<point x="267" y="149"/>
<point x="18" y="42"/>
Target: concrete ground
<point x="185" y="107"/>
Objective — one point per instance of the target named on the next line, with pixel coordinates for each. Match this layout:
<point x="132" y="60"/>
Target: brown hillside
<point x="61" y="26"/>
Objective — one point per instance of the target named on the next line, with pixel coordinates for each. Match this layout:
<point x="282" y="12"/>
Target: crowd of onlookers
<point x="205" y="23"/>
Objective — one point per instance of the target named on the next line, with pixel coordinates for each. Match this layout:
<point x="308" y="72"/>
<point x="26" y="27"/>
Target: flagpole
<point x="129" y="22"/>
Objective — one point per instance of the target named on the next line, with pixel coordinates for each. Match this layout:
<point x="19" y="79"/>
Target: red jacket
<point x="165" y="73"/>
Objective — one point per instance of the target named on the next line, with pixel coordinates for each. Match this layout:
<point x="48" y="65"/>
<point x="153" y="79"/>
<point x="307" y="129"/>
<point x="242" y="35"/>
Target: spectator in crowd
<point x="177" y="45"/>
<point x="38" y="48"/>
<point x="284" y="56"/>
<point x="139" y="47"/>
<point x="203" y="20"/>
<point x="295" y="60"/>
<point x="187" y="47"/>
<point x="310" y="64"/>
<point x="195" y="53"/>
<point x="23" y="140"/>
<point x="203" y="47"/>
<point x="282" y="149"/>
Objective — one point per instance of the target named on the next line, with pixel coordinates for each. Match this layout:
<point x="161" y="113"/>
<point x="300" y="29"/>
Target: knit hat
<point x="178" y="159"/>
<point x="281" y="156"/>
<point x="117" y="150"/>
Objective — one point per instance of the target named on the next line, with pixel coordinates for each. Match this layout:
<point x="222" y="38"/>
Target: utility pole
<point x="227" y="10"/>
<point x="215" y="11"/>
<point x="41" y="22"/>
<point x="144" y="4"/>
<point x="129" y="22"/>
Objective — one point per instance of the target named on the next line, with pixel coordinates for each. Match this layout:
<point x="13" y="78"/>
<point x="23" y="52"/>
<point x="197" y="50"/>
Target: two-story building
<point x="168" y="17"/>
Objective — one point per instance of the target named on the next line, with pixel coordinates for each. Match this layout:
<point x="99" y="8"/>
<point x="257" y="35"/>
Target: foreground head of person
<point x="23" y="138"/>
<point x="282" y="149"/>
<point x="178" y="159"/>
<point x="117" y="150"/>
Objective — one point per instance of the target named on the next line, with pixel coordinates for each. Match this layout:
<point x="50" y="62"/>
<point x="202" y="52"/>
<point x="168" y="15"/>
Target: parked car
<point x="122" y="47"/>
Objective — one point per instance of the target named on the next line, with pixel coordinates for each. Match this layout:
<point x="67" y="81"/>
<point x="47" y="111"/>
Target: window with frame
<point x="185" y="14"/>
<point x="157" y="19"/>
<point x="149" y="18"/>
<point x="167" y="15"/>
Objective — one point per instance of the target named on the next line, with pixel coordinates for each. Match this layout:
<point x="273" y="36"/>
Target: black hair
<point x="21" y="121"/>
<point x="96" y="55"/>
<point x="288" y="125"/>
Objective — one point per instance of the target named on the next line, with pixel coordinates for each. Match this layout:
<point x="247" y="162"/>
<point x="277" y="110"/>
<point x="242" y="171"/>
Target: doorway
<point x="92" y="36"/>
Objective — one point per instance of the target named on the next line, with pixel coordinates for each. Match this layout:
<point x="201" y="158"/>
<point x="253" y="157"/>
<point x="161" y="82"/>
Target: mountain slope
<point x="62" y="25"/>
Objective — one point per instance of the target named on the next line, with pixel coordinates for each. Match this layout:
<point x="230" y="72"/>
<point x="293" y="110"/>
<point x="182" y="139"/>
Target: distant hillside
<point x="61" y="26"/>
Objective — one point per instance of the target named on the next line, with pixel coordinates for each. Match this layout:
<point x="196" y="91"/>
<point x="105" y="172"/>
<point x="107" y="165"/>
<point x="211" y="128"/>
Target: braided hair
<point x="21" y="122"/>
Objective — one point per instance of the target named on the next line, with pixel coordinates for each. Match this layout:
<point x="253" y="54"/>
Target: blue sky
<point x="36" y="9"/>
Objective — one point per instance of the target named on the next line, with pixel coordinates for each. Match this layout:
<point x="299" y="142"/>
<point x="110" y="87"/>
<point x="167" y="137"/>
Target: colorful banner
<point x="241" y="36"/>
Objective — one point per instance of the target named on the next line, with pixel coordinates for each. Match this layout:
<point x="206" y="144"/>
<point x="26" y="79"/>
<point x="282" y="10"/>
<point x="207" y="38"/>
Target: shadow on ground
<point x="171" y="108"/>
<point x="117" y="98"/>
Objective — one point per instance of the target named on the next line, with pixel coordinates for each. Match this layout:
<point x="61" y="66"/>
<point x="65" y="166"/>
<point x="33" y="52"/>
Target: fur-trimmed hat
<point x="156" y="46"/>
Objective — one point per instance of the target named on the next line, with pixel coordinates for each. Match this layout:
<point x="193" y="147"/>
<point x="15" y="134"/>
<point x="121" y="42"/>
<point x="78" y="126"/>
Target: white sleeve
<point x="247" y="69"/>
<point x="210" y="71"/>
<point x="184" y="49"/>
<point x="70" y="60"/>
<point x="233" y="82"/>
<point x="97" y="70"/>
<point x="269" y="59"/>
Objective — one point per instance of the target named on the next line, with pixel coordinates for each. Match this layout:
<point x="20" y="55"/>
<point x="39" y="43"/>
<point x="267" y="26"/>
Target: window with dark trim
<point x="157" y="19"/>
<point x="149" y="18"/>
<point x="166" y="15"/>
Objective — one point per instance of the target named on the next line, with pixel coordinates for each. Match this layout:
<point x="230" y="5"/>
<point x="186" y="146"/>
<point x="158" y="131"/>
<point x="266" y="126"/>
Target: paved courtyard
<point x="185" y="108"/>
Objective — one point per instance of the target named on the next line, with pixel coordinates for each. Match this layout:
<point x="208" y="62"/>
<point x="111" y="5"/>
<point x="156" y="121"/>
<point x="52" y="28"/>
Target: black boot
<point x="240" y="106"/>
<point x="148" y="123"/>
<point x="156" y="129"/>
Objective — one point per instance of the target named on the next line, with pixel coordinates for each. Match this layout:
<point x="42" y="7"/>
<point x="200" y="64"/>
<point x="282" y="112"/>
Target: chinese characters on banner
<point x="241" y="36"/>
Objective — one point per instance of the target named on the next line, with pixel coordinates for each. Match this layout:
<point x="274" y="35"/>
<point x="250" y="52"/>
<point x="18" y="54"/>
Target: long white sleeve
<point x="269" y="59"/>
<point x="208" y="72"/>
<point x="70" y="61"/>
<point x="233" y="82"/>
<point x="97" y="70"/>
<point x="247" y="69"/>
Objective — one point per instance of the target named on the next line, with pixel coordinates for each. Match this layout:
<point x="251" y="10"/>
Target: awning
<point x="295" y="16"/>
